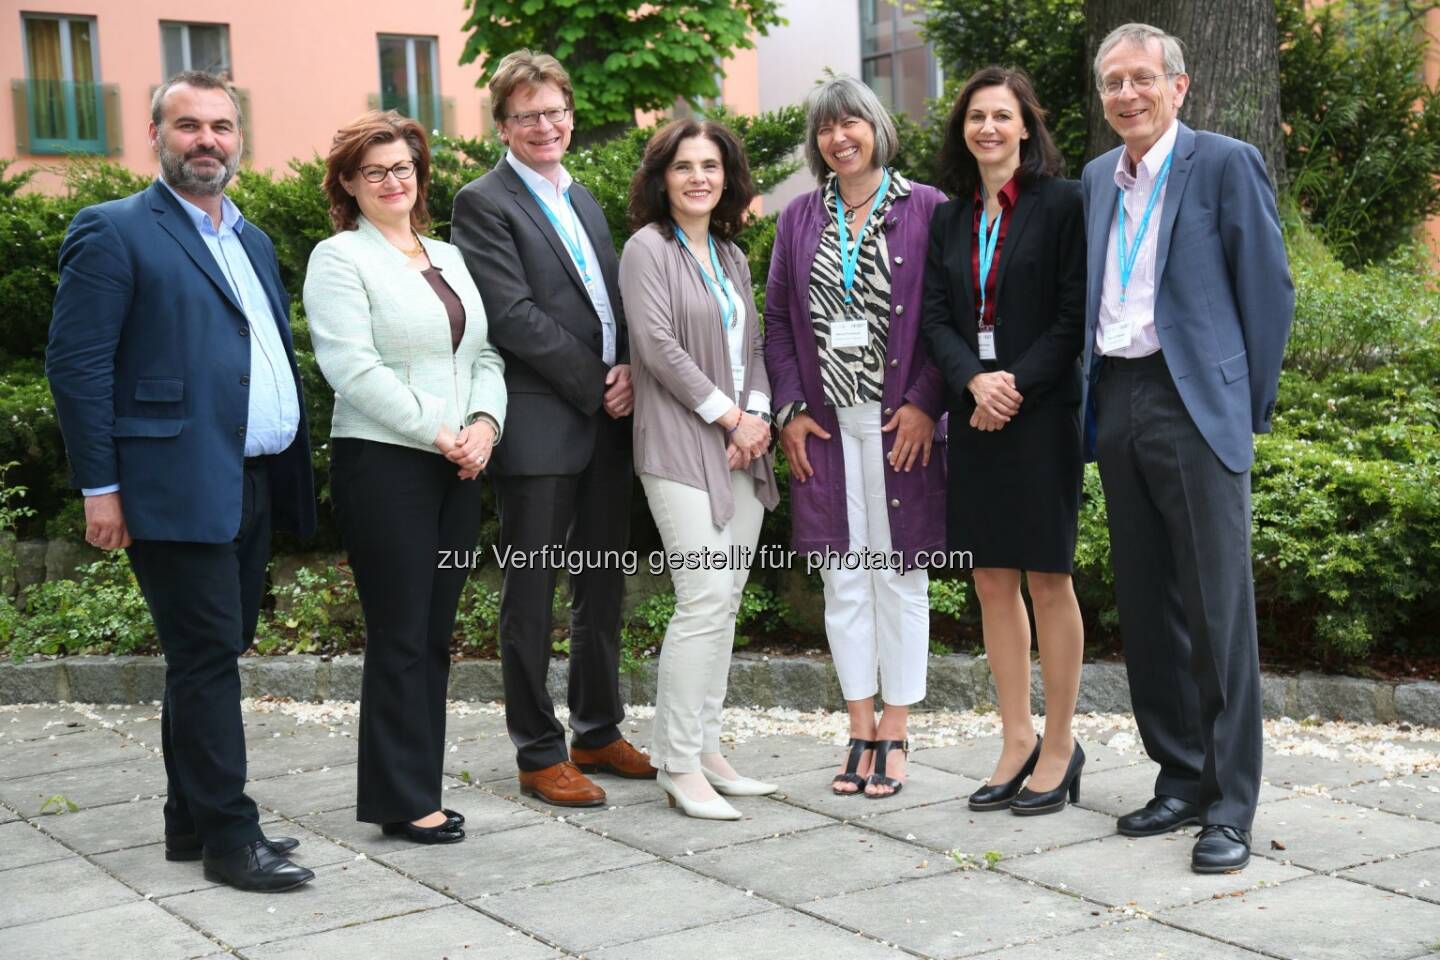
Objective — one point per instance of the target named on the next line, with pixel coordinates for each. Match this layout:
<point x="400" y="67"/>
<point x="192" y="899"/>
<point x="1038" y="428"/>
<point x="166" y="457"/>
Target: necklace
<point x="850" y="208"/>
<point x="410" y="252"/>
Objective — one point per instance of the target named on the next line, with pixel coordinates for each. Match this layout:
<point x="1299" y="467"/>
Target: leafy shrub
<point x="317" y="612"/>
<point x="102" y="611"/>
<point x="477" y="622"/>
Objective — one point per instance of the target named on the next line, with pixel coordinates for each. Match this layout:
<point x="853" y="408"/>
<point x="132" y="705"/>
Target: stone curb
<point x="956" y="682"/>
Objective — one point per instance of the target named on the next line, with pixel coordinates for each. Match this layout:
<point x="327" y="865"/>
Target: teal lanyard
<point x="729" y="313"/>
<point x="1128" y="257"/>
<point x="850" y="255"/>
<point x="572" y="242"/>
<point x="987" y="251"/>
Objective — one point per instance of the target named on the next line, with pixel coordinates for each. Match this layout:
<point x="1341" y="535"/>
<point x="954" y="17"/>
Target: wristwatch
<point x="769" y="420"/>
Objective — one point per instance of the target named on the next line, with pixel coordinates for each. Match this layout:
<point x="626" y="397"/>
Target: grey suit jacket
<point x="542" y="321"/>
<point x="1223" y="296"/>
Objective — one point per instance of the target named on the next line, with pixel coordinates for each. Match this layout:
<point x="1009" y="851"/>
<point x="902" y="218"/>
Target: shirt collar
<point x="1008" y="193"/>
<point x="1151" y="163"/>
<point x="538" y="183"/>
<point x="230" y="216"/>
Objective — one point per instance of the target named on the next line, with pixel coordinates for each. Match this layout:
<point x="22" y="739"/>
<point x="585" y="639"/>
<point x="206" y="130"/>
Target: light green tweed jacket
<point x="382" y="339"/>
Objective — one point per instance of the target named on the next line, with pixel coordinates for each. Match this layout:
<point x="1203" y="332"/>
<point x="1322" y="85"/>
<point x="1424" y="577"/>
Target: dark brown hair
<point x="347" y="150"/>
<point x="959" y="173"/>
<point x="648" y="200"/>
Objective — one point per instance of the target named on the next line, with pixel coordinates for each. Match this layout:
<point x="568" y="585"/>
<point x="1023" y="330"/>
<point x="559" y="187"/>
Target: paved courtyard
<point x="1347" y="843"/>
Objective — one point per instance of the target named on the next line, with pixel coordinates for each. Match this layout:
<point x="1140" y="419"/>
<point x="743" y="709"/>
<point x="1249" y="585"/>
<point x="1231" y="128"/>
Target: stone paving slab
<point x="783" y="869"/>
<point x="57" y="889"/>
<point x="775" y="935"/>
<point x="1124" y="940"/>
<point x="1417" y="874"/>
<point x="454" y="931"/>
<point x="621" y="906"/>
<point x="956" y="914"/>
<point x="1324" y="834"/>
<point x="805" y="874"/>
<point x="1149" y="874"/>
<point x="1305" y="919"/>
<point x="140" y="929"/>
<point x="339" y="896"/>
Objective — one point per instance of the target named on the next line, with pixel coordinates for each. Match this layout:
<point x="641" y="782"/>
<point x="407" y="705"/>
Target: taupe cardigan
<point x="679" y="356"/>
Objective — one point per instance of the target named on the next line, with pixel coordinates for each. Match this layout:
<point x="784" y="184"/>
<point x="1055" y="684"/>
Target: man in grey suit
<point x="538" y="247"/>
<point x="1189" y="309"/>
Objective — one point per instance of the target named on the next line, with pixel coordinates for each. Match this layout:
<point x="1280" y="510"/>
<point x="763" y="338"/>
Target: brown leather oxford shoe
<point x="563" y="785"/>
<point x="617" y="757"/>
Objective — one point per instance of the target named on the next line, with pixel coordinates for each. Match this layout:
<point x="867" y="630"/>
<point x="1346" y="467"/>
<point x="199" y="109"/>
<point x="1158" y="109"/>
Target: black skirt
<point x="1014" y="494"/>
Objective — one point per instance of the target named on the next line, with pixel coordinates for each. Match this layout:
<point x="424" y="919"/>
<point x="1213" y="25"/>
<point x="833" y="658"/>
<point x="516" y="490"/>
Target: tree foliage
<point x="622" y="55"/>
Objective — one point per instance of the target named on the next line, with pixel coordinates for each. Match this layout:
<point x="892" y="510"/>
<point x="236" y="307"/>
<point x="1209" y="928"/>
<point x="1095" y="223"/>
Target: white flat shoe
<point x="716" y="809"/>
<point x="740" y="786"/>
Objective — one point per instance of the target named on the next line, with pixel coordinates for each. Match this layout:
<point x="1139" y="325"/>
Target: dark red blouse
<point x="1008" y="195"/>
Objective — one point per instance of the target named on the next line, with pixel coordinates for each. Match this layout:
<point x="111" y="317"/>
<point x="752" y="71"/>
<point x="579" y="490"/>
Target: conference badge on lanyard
<point x="852" y="331"/>
<point x="988" y="242"/>
<point x="1117" y="335"/>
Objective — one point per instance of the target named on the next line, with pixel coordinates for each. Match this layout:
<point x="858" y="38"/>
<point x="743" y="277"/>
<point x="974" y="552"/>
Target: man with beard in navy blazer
<point x="176" y="389"/>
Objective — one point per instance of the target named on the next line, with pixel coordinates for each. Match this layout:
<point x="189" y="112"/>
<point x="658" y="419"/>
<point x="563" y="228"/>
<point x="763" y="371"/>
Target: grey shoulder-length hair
<point x="834" y="100"/>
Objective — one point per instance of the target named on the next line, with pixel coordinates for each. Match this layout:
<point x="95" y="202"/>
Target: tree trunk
<point x="1232" y="55"/>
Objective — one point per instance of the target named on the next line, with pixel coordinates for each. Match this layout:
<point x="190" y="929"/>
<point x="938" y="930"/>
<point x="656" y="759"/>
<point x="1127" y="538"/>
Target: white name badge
<point x="849" y="332"/>
<point x="1115" y="337"/>
<point x="737" y="377"/>
<point x="987" y="344"/>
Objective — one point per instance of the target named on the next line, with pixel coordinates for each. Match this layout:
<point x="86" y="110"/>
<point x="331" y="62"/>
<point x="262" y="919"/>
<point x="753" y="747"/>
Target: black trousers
<point x="205" y="601"/>
<point x="1184" y="585"/>
<point x="408" y="524"/>
<point x="588" y="512"/>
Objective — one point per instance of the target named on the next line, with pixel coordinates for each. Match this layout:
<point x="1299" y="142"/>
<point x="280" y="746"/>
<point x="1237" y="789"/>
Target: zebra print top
<point x="852" y="376"/>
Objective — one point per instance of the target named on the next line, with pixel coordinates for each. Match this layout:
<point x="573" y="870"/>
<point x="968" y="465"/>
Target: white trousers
<point x="695" y="657"/>
<point x="877" y="618"/>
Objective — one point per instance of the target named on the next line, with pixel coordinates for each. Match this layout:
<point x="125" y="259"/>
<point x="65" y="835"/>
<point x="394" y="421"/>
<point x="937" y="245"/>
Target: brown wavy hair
<point x="648" y="201"/>
<point x="347" y="150"/>
<point x="1039" y="157"/>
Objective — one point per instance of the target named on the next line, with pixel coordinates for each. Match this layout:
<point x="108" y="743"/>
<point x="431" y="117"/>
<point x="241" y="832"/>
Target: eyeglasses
<point x="556" y="116"/>
<point x="1141" y="84"/>
<point x="375" y="173"/>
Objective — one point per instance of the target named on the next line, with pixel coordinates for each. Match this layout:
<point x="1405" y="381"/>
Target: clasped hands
<point x="996" y="399"/>
<point x="469" y="449"/>
<point x="749" y="437"/>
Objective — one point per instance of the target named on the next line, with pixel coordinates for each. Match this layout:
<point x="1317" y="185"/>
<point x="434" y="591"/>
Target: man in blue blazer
<point x="1188" y="312"/>
<point x="175" y="384"/>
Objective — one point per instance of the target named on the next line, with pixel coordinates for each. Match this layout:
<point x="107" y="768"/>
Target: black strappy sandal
<point x="878" y="778"/>
<point x="857" y="750"/>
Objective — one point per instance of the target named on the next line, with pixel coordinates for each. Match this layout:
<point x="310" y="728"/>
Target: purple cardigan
<point x="917" y="498"/>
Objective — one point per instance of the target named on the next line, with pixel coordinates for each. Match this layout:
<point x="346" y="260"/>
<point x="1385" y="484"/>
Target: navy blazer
<point x="1224" y="300"/>
<point x="149" y="364"/>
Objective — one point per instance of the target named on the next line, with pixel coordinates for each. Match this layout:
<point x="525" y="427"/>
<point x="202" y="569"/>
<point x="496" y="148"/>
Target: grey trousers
<point x="1184" y="586"/>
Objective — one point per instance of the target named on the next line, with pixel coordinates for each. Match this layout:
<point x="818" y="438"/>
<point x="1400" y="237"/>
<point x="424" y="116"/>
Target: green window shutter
<point x="247" y="124"/>
<point x="112" y="127"/>
<point x="447" y="116"/>
<point x="372" y="102"/>
<point x="21" y="104"/>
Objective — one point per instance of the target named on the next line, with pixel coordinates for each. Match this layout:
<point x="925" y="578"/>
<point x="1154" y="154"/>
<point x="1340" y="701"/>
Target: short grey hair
<point x="1141" y="34"/>
<point x="840" y="97"/>
<point x="192" y="78"/>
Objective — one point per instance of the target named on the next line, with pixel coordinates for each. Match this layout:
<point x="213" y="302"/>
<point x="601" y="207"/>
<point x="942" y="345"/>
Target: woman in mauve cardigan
<point x="857" y="399"/>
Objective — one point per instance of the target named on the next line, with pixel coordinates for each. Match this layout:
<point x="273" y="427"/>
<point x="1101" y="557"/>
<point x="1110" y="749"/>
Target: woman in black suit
<point x="1004" y="315"/>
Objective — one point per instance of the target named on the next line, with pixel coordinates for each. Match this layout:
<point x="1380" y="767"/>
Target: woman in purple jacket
<point x="857" y="399"/>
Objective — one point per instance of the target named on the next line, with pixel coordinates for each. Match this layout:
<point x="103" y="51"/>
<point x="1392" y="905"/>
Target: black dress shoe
<point x="1160" y="815"/>
<point x="445" y="832"/>
<point x="255" y="867"/>
<point x="1220" y="849"/>
<point x="187" y="846"/>
<point x="1028" y="803"/>
<point x="997" y="796"/>
<point x="454" y="817"/>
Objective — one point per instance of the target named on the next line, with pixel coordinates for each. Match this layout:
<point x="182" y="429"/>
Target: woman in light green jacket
<point x="399" y="332"/>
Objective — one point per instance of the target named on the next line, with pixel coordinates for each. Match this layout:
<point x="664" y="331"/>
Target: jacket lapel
<point x="531" y="206"/>
<point x="172" y="219"/>
<point x="1101" y="216"/>
<point x="961" y="267"/>
<point x="1174" y="192"/>
<point x="1019" y="217"/>
<point x="264" y="268"/>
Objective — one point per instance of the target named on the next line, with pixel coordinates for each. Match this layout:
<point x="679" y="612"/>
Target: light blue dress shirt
<point x="553" y="197"/>
<point x="274" y="414"/>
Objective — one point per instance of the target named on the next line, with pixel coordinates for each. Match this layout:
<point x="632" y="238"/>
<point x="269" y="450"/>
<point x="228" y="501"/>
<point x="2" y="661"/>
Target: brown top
<point x="453" y="307"/>
<point x="679" y="356"/>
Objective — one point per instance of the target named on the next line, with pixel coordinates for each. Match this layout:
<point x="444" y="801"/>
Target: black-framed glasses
<point x="556" y="116"/>
<point x="1141" y="84"/>
<point x="375" y="173"/>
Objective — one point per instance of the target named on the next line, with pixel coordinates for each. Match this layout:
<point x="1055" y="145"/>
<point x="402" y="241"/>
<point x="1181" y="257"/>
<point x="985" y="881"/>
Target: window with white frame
<point x="196" y="46"/>
<point x="62" y="95"/>
<point x="410" y="78"/>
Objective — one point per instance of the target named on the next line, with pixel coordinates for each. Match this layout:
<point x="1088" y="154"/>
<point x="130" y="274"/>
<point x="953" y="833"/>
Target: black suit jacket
<point x="1040" y="296"/>
<point x="542" y="321"/>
